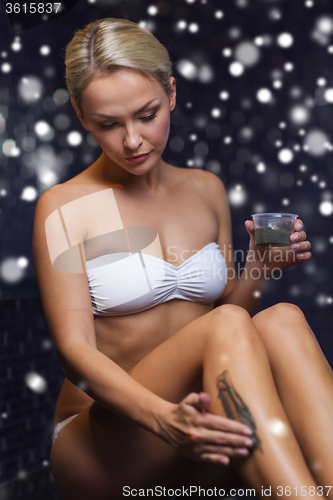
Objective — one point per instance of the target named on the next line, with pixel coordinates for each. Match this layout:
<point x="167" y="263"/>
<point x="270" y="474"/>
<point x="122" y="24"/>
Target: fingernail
<point x="295" y="237"/>
<point x="243" y="452"/>
<point x="294" y="246"/>
<point x="248" y="431"/>
<point x="300" y="255"/>
<point x="248" y="442"/>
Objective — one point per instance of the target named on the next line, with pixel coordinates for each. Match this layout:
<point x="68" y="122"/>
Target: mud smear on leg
<point x="235" y="406"/>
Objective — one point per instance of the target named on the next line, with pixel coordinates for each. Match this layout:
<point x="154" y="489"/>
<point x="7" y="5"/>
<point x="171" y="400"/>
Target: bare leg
<point x="96" y="443"/>
<point x="277" y="461"/>
<point x="304" y="382"/>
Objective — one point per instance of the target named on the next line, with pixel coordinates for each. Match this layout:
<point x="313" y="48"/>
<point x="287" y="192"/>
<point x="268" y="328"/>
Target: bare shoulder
<point x="60" y="194"/>
<point x="209" y="185"/>
<point x="48" y="209"/>
<point x="51" y="199"/>
<point x="211" y="181"/>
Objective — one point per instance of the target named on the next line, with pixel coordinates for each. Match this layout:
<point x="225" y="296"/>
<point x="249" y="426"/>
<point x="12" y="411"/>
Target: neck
<point x="148" y="183"/>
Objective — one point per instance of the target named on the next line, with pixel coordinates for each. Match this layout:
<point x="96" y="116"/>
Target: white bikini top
<point x="127" y="283"/>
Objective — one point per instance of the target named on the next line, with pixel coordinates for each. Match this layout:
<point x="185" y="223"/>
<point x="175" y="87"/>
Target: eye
<point x="107" y="127"/>
<point x="149" y="117"/>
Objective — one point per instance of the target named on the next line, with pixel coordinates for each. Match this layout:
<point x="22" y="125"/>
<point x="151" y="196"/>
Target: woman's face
<point x="129" y="117"/>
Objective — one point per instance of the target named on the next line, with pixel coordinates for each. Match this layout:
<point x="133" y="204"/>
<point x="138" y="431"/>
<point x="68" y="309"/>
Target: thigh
<point x="91" y="462"/>
<point x="98" y="453"/>
<point x="174" y="368"/>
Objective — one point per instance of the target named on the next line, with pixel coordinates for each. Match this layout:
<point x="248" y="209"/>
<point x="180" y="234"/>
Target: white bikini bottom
<point x="59" y="427"/>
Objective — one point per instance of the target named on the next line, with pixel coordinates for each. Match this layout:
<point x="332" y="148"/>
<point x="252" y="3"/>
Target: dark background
<point x="272" y="156"/>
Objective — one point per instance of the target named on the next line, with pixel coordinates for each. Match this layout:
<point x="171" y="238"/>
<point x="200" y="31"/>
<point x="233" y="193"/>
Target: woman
<point x="158" y="347"/>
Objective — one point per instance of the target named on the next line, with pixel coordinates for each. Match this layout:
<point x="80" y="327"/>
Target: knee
<point x="278" y="316"/>
<point x="286" y="311"/>
<point x="283" y="323"/>
<point x="232" y="323"/>
<point x="230" y="312"/>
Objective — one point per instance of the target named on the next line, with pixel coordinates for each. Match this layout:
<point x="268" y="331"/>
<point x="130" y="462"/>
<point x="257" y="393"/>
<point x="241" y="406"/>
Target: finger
<point x="200" y="400"/>
<point x="303" y="256"/>
<point x="299" y="236"/>
<point x="204" y="400"/>
<point x="215" y="458"/>
<point x="298" y="225"/>
<point x="249" y="225"/>
<point x="213" y="438"/>
<point x="303" y="246"/>
<point x="215" y="422"/>
<point x="224" y="450"/>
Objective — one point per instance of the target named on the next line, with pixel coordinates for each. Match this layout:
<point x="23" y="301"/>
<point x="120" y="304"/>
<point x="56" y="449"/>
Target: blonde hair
<point x="105" y="45"/>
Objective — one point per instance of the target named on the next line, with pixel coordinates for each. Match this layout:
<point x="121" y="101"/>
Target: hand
<point x="280" y="257"/>
<point x="202" y="436"/>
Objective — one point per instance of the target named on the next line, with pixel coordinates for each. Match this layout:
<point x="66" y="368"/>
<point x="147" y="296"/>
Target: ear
<point x="172" y="95"/>
<point x="79" y="115"/>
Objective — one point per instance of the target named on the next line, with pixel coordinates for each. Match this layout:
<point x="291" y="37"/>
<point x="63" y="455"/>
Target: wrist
<point x="257" y="271"/>
<point x="161" y="409"/>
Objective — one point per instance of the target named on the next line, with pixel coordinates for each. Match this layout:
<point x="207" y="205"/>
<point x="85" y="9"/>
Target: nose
<point x="132" y="139"/>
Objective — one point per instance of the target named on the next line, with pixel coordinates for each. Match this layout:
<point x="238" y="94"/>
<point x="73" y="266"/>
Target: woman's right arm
<point x="67" y="307"/>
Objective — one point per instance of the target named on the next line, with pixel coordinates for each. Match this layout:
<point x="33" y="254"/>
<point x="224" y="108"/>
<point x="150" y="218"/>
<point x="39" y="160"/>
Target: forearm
<point x="249" y="288"/>
<point x="112" y="387"/>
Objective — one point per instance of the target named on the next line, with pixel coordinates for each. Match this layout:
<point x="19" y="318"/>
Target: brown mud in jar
<point x="273" y="228"/>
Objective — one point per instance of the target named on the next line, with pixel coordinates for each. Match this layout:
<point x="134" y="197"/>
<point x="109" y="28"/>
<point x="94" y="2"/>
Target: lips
<point x="138" y="158"/>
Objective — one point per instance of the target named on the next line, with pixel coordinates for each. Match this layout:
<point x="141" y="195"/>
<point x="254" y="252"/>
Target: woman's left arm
<point x="246" y="284"/>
